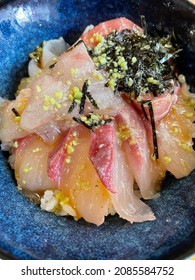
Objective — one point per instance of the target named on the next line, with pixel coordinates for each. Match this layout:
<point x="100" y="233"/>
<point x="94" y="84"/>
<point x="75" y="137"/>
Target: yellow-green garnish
<point x="141" y="61"/>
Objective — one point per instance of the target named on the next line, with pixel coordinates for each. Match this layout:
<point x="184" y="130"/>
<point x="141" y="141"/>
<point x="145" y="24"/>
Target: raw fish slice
<point x="33" y="68"/>
<point x="31" y="164"/>
<point x="90" y="197"/>
<point x="51" y="100"/>
<point x="44" y="104"/>
<point x="49" y="132"/>
<point x="101" y="154"/>
<point x="174" y="137"/>
<point x="125" y="202"/>
<point x="110" y="162"/>
<point x="10" y="123"/>
<point x="50" y="51"/>
<point x="106" y="28"/>
<point x="107" y="102"/>
<point x="175" y="143"/>
<point x="161" y="104"/>
<point x="80" y="181"/>
<point x="186" y="103"/>
<point x="74" y="65"/>
<point x="22" y="142"/>
<point x="59" y="153"/>
<point x="147" y="174"/>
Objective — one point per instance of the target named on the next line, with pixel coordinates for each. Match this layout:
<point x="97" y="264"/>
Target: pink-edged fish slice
<point x="137" y="150"/>
<point x="22" y="142"/>
<point x="125" y="202"/>
<point x="105" y="28"/>
<point x="109" y="160"/>
<point x="101" y="154"/>
<point x="30" y="164"/>
<point x="57" y="156"/>
<point x="161" y="104"/>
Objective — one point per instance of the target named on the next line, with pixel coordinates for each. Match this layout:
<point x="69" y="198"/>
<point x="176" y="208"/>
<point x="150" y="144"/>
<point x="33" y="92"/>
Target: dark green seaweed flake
<point x="137" y="63"/>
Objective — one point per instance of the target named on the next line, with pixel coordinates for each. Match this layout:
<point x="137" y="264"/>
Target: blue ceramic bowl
<point x="26" y="232"/>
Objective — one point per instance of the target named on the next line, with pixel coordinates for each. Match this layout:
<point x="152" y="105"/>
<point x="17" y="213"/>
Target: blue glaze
<point x="27" y="232"/>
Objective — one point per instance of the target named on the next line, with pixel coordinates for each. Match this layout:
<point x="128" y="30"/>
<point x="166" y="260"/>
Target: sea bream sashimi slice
<point x="63" y="150"/>
<point x="110" y="162"/>
<point x="186" y="102"/>
<point x="174" y="136"/>
<point x="132" y="133"/>
<point x="46" y="56"/>
<point x="125" y="202"/>
<point x="175" y="144"/>
<point x="74" y="68"/>
<point x="31" y="158"/>
<point x="10" y="117"/>
<point x="47" y="97"/>
<point x="74" y="65"/>
<point x="92" y="37"/>
<point x="101" y="154"/>
<point x="77" y="178"/>
<point x="161" y="104"/>
<point x="53" y="94"/>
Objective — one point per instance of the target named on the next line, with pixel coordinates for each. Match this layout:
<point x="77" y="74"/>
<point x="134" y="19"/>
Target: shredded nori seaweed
<point x="82" y="104"/>
<point x="153" y="125"/>
<point x="137" y="63"/>
<point x="15" y="112"/>
<point x="144" y="25"/>
<point x="72" y="106"/>
<point x="52" y="65"/>
<point x="93" y="102"/>
<point x="85" y="95"/>
<point x="143" y="109"/>
<point x="78" y="120"/>
<point x="91" y="123"/>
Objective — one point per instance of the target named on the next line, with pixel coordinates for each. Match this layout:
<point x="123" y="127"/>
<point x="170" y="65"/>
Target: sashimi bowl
<point x="164" y="228"/>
